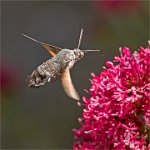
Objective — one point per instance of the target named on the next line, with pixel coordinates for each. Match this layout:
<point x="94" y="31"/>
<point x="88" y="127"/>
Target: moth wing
<point x="68" y="85"/>
<point x="53" y="50"/>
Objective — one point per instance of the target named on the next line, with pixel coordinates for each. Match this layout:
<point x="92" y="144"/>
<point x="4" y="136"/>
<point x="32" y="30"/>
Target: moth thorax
<point x="78" y="54"/>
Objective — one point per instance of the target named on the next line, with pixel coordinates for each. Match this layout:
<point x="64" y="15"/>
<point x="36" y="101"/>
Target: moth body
<point x="53" y="68"/>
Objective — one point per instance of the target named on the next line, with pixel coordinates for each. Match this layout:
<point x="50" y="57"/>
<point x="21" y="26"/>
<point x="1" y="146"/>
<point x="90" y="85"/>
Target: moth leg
<point x="49" y="79"/>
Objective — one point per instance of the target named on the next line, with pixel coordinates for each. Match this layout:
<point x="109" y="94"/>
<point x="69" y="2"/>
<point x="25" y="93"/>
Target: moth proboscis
<point x="57" y="67"/>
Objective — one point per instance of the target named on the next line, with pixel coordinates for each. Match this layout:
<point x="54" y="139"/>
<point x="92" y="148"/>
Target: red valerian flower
<point x="117" y="114"/>
<point x="115" y="6"/>
<point x="10" y="80"/>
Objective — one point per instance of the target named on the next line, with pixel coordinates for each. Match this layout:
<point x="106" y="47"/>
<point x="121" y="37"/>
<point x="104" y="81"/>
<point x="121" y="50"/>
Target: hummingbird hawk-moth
<point x="57" y="67"/>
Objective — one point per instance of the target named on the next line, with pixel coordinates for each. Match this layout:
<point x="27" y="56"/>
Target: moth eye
<point x="79" y="55"/>
<point x="82" y="54"/>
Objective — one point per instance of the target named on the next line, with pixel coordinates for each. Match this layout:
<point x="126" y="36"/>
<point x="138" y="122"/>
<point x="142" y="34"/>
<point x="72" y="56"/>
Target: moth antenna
<point x="32" y="39"/>
<point x="81" y="34"/>
<point x="92" y="50"/>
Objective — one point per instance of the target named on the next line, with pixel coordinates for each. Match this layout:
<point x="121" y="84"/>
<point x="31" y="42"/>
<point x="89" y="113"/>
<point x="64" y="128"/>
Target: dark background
<point x="44" y="117"/>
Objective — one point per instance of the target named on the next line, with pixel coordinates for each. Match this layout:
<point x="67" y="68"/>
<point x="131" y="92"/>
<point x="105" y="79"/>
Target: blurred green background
<point x="44" y="118"/>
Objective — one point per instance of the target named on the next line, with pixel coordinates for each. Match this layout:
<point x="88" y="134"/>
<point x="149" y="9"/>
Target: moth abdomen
<point x="36" y="79"/>
<point x="48" y="71"/>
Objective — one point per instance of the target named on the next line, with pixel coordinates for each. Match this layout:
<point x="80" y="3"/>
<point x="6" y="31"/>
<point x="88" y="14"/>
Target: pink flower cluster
<point x="116" y="5"/>
<point x="117" y="114"/>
